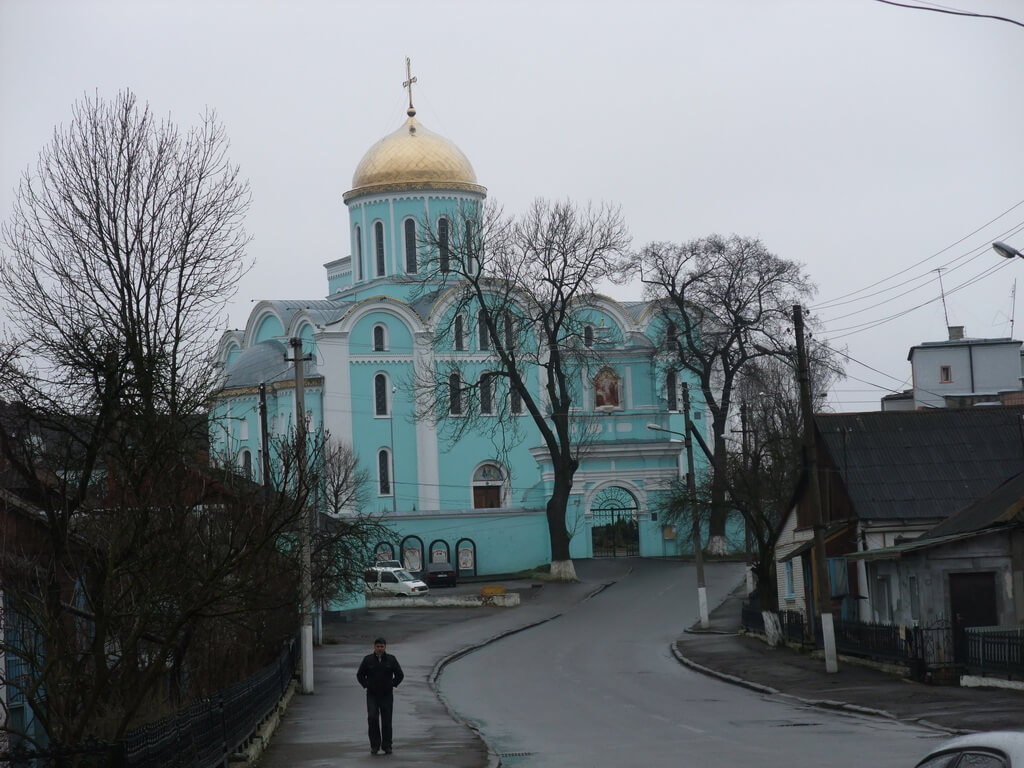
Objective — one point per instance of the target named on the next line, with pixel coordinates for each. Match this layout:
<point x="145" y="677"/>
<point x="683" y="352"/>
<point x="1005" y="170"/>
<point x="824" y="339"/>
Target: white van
<point x="393" y="581"/>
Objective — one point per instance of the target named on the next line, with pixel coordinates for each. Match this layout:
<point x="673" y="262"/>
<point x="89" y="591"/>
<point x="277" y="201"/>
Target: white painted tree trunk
<point x="772" y="628"/>
<point x="718" y="545"/>
<point x="828" y="635"/>
<point x="563" y="570"/>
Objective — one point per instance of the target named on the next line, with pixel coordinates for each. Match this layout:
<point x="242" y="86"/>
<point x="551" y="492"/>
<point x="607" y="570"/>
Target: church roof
<point x="263" y="363"/>
<point x="320" y="311"/>
<point x="413" y="157"/>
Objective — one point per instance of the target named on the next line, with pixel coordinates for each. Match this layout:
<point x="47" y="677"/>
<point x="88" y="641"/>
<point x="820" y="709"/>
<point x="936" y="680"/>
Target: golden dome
<point x="413" y="158"/>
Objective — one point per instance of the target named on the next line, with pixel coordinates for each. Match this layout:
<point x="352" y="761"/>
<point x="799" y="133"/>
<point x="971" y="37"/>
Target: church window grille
<point x="484" y="334"/>
<point x="460" y="333"/>
<point x="515" y="401"/>
<point x="469" y="250"/>
<point x="379" y="339"/>
<point x="380" y="394"/>
<point x="671" y="343"/>
<point x="588" y="336"/>
<point x="487" y="394"/>
<point x="444" y="257"/>
<point x="359" y="252"/>
<point x="410" y="246"/>
<point x="509" y="328"/>
<point x="671" y="391"/>
<point x="455" y="395"/>
<point x="378" y="236"/>
<point x="384" y="472"/>
<point x="247" y="464"/>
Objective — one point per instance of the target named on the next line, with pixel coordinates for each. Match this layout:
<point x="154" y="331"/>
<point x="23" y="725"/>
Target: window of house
<point x="380" y="394"/>
<point x="672" y="391"/>
<point x="460" y="333"/>
<point x="790" y="586"/>
<point x="379" y="344"/>
<point x="588" y="336"/>
<point x="359" y="252"/>
<point x="455" y="395"/>
<point x="410" y="246"/>
<point x="509" y="327"/>
<point x="378" y="236"/>
<point x="515" y="401"/>
<point x="485" y="336"/>
<point x="383" y="472"/>
<point x="945" y="374"/>
<point x="443" y="257"/>
<point x="915" y="599"/>
<point x="487" y="393"/>
<point x="883" y="607"/>
<point x="606" y="389"/>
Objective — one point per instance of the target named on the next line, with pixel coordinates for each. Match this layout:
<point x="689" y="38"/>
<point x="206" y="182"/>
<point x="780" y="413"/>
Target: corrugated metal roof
<point x="922" y="464"/>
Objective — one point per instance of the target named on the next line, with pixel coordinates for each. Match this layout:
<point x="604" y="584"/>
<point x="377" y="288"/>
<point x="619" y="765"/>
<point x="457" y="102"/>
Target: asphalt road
<point x="598" y="686"/>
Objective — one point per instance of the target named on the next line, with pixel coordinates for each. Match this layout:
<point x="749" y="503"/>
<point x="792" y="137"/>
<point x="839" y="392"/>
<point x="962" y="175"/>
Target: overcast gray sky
<point x="866" y="141"/>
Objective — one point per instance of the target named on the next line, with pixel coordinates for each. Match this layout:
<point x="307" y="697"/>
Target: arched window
<point x="247" y="464"/>
<point x="380" y="394"/>
<point x="378" y="236"/>
<point x="671" y="342"/>
<point x="455" y="395"/>
<point x="672" y="391"/>
<point x="509" y="327"/>
<point x="469" y="250"/>
<point x="444" y="264"/>
<point x="383" y="472"/>
<point x="460" y="333"/>
<point x="488" y="486"/>
<point x="410" y="246"/>
<point x="588" y="336"/>
<point x="606" y="389"/>
<point x="515" y="401"/>
<point x="379" y="340"/>
<point x="487" y="394"/>
<point x="359" y="252"/>
<point x="485" y="336"/>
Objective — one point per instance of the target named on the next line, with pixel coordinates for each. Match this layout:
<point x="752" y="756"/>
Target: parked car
<point x="393" y="581"/>
<point x="994" y="749"/>
<point x="386" y="564"/>
<point x="440" y="575"/>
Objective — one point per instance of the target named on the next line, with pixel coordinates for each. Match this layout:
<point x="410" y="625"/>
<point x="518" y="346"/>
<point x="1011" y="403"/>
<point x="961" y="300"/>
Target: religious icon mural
<point x="606" y="389"/>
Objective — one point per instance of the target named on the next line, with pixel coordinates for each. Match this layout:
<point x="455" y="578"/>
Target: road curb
<point x="493" y="758"/>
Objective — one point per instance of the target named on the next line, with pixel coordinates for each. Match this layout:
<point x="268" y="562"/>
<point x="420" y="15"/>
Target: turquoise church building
<point x="464" y="501"/>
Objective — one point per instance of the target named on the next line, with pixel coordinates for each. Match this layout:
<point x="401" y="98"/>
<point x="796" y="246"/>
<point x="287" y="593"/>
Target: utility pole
<point x="746" y="470"/>
<point x="691" y="486"/>
<point x="822" y="588"/>
<point x="264" y="439"/>
<point x="305" y="557"/>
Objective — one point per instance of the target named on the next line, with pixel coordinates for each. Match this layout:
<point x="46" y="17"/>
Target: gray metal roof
<point x="903" y="465"/>
<point x="263" y="363"/>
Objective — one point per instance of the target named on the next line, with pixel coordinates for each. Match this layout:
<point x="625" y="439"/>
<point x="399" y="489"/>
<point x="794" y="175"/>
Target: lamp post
<point x="691" y="485"/>
<point x="1005" y="250"/>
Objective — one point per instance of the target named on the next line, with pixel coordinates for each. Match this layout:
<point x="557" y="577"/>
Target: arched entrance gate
<point x="614" y="530"/>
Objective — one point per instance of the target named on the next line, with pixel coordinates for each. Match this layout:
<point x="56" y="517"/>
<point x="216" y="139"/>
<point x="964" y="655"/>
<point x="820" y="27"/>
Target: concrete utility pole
<point x="746" y="523"/>
<point x="822" y="587"/>
<point x="691" y="485"/>
<point x="305" y="561"/>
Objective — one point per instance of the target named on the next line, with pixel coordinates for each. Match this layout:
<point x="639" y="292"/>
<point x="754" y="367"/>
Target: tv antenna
<point x="942" y="292"/>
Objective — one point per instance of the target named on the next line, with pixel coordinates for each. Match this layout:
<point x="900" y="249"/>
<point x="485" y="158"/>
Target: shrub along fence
<point x="203" y="735"/>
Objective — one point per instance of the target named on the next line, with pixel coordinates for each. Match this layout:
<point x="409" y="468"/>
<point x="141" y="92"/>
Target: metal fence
<point x="203" y="735"/>
<point x="996" y="652"/>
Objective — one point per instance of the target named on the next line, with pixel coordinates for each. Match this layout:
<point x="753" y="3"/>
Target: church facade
<point x="466" y="501"/>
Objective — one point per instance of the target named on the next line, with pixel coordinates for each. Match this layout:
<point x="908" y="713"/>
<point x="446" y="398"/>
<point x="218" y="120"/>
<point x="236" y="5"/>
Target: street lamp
<point x="698" y="554"/>
<point x="1005" y="250"/>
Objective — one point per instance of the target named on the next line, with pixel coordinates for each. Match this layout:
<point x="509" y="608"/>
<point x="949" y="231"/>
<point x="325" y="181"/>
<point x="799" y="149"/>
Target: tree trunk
<point x="718" y="544"/>
<point x="562" y="568"/>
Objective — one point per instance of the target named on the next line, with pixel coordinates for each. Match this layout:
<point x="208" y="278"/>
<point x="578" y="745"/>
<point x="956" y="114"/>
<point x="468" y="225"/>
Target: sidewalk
<point x="328" y="728"/>
<point x="748" y="661"/>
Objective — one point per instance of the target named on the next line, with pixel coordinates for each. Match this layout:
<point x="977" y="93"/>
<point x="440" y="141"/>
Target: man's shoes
<point x="387" y="750"/>
<point x="374" y="751"/>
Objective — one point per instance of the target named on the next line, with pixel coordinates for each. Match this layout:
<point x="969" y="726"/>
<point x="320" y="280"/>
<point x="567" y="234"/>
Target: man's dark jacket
<point x="380" y="676"/>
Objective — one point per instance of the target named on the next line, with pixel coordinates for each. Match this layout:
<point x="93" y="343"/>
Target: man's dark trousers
<point x="378" y="715"/>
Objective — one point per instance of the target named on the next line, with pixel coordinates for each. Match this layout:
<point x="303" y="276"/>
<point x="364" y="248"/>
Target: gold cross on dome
<point x="408" y="84"/>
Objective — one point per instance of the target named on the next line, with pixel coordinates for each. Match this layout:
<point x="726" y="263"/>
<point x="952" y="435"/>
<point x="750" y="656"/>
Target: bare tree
<point x="725" y="303"/>
<point x="524" y="284"/>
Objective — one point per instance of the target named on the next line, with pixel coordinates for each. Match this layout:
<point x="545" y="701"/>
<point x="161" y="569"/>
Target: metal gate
<point x="614" y="530"/>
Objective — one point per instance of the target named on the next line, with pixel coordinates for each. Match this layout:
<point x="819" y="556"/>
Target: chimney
<point x="956" y="332"/>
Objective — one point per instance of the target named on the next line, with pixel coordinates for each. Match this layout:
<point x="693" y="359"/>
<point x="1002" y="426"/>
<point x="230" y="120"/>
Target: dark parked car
<point x="440" y="575"/>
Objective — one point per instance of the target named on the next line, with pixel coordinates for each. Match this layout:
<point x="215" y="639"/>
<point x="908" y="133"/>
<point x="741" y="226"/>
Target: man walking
<point x="380" y="673"/>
